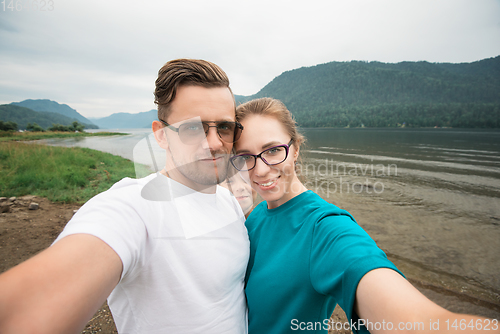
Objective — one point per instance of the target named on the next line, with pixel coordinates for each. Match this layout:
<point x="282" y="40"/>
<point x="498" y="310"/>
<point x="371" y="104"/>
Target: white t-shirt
<point x="184" y="255"/>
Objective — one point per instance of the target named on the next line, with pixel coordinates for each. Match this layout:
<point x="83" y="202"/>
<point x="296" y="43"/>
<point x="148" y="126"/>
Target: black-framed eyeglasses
<point x="271" y="156"/>
<point x="191" y="133"/>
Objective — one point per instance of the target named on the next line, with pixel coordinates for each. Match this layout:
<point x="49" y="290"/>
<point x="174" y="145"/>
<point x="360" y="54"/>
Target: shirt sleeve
<point x="341" y="254"/>
<point x="112" y="218"/>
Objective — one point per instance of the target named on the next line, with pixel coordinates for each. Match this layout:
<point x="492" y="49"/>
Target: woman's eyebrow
<point x="272" y="143"/>
<point x="267" y="145"/>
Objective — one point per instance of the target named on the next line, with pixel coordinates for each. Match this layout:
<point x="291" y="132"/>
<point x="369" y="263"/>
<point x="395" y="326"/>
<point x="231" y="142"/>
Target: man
<point x="169" y="250"/>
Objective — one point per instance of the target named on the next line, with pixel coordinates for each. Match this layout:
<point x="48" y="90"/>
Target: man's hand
<point x="59" y="289"/>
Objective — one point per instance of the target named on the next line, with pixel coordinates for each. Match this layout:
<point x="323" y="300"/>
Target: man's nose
<point x="213" y="141"/>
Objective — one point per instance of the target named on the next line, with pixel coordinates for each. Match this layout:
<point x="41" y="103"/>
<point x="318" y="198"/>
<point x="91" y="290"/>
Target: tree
<point x="75" y="126"/>
<point x="8" y="126"/>
<point x="58" y="127"/>
<point x="34" y="128"/>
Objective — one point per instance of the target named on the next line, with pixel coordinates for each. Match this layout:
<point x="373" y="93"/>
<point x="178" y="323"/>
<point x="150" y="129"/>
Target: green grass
<point x="70" y="175"/>
<point x="25" y="136"/>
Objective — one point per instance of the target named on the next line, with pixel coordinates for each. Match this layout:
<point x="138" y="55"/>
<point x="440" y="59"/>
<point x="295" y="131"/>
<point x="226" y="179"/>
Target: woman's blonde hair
<point x="267" y="106"/>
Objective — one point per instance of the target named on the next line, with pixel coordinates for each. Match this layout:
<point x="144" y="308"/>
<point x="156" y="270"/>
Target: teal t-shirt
<point x="306" y="256"/>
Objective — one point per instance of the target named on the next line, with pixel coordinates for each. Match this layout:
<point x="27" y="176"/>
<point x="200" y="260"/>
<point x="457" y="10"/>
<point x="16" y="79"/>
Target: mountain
<point x="52" y="106"/>
<point x="240" y="99"/>
<point x="127" y="121"/>
<point x="384" y="94"/>
<point x="22" y="116"/>
<point x="360" y="93"/>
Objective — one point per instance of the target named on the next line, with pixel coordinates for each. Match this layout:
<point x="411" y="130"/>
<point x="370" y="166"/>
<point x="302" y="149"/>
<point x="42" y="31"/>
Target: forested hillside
<point x="127" y="120"/>
<point x="22" y="116"/>
<point x="44" y="105"/>
<point x="415" y="94"/>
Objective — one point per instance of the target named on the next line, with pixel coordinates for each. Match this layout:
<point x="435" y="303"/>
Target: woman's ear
<point x="160" y="135"/>
<point x="296" y="154"/>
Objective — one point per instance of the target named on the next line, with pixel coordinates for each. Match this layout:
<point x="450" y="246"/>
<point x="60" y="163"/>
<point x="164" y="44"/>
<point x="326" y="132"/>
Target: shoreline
<point x="26" y="136"/>
<point x="387" y="221"/>
<point x="24" y="233"/>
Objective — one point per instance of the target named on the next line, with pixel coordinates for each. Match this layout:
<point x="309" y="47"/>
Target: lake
<point x="428" y="197"/>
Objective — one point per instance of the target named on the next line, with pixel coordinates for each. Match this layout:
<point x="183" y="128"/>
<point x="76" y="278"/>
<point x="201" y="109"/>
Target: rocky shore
<point x="28" y="225"/>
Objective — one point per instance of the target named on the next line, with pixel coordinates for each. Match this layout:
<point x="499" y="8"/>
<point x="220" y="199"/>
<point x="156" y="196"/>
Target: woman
<point x="307" y="255"/>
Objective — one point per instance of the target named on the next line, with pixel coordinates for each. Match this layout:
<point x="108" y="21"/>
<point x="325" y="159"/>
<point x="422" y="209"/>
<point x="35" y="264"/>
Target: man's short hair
<point x="181" y="72"/>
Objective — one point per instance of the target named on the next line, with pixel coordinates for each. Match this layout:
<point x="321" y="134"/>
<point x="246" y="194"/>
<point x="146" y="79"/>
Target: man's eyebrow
<point x="224" y="119"/>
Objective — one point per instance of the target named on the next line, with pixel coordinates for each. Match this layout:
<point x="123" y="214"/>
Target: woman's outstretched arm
<point x="385" y="300"/>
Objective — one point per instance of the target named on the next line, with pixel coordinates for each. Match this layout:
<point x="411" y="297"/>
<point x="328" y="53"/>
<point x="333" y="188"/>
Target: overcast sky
<point x="102" y="57"/>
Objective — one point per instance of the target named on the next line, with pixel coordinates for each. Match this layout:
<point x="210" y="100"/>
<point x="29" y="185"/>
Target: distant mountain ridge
<point x="45" y="105"/>
<point x="127" y="120"/>
<point x="360" y="93"/>
<point x="22" y="116"/>
<point x="382" y="94"/>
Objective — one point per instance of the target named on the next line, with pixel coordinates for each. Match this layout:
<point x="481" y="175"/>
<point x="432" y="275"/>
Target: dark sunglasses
<point x="191" y="133"/>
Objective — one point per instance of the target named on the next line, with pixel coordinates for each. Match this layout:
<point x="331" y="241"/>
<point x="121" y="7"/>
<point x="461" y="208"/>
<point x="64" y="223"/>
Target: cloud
<point x="102" y="57"/>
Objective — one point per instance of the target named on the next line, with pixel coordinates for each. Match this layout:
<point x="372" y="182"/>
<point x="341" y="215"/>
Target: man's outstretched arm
<point x="59" y="289"/>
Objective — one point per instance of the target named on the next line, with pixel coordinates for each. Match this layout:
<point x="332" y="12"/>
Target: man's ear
<point x="160" y="135"/>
